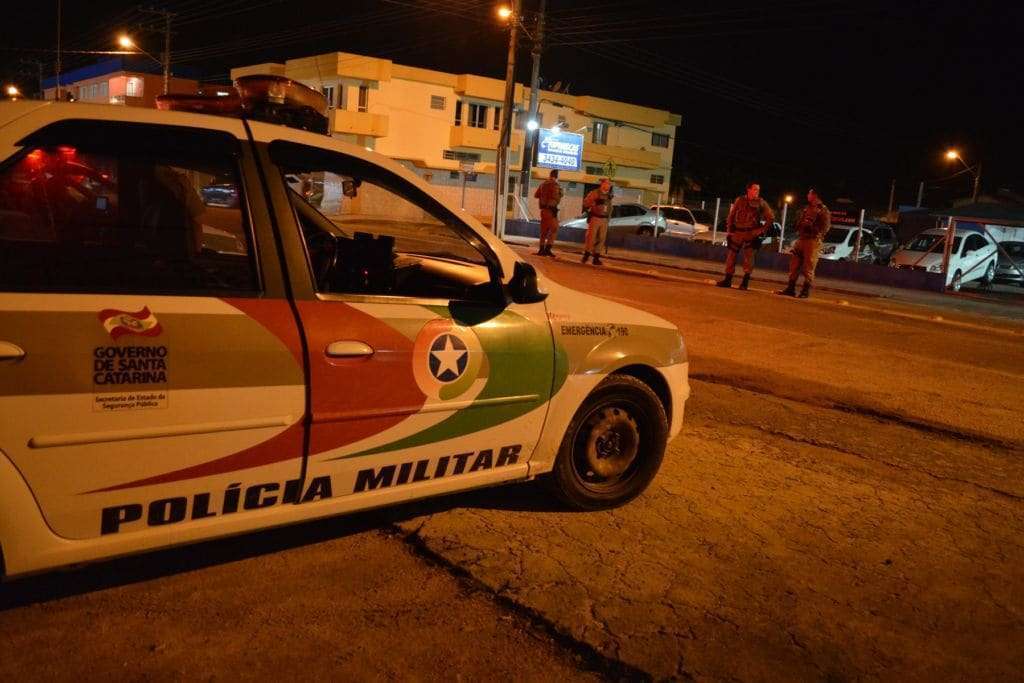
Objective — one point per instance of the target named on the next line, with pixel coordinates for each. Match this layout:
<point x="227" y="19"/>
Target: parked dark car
<point x="220" y="194"/>
<point x="1011" y="263"/>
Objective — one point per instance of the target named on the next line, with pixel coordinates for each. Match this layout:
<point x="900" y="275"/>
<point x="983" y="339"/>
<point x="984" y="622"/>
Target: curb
<point x="844" y="303"/>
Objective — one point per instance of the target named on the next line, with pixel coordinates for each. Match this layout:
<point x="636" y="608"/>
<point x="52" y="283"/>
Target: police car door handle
<point x="9" y="351"/>
<point x="348" y="349"/>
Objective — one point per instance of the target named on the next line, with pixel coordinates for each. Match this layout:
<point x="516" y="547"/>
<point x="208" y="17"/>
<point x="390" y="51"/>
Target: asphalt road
<point x="846" y="501"/>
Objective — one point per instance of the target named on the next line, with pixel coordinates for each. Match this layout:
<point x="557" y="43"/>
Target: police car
<point x="212" y="323"/>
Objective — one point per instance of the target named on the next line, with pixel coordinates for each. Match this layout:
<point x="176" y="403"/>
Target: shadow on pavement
<point x="57" y="584"/>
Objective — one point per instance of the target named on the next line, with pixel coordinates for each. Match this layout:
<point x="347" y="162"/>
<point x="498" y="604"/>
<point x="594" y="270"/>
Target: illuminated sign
<point x="563" y="151"/>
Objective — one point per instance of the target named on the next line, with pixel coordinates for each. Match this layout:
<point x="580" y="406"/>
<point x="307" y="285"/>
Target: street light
<point x="786" y="201"/>
<point x="504" y="137"/>
<point x="12" y="91"/>
<point x="974" y="170"/>
<point x="532" y="125"/>
<point x="125" y="42"/>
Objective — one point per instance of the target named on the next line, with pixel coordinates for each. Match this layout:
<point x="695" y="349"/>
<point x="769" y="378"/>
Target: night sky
<point x="840" y="95"/>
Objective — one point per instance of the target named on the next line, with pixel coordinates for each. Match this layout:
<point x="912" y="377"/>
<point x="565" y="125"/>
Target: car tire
<point x="957" y="282"/>
<point x="990" y="274"/>
<point x="613" y="447"/>
<point x="645" y="230"/>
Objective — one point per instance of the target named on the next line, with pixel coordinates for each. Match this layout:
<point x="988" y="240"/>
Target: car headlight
<point x="828" y="250"/>
<point x="937" y="268"/>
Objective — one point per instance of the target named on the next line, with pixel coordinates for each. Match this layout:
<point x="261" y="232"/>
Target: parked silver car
<point x="628" y="217"/>
<point x="682" y="221"/>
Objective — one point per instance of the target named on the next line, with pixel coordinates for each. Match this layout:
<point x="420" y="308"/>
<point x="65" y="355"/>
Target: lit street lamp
<point x="509" y="14"/>
<point x="125" y="42"/>
<point x="786" y="201"/>
<point x="974" y="170"/>
<point x="12" y="91"/>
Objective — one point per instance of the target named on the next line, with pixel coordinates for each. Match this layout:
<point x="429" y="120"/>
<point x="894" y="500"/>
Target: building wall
<point x="113" y="88"/>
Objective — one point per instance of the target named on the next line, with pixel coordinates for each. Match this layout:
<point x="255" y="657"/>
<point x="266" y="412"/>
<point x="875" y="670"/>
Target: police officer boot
<point x="725" y="281"/>
<point x="597" y="260"/>
<point x="586" y="256"/>
<point x="541" y="251"/>
<point x="790" y="289"/>
<point x="806" y="291"/>
<point x="746" y="281"/>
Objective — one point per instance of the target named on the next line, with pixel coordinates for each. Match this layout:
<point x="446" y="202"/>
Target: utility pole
<point x="505" y="134"/>
<point x="57" y="94"/>
<point x="892" y="195"/>
<point x="920" y="193"/>
<point x="532" y="136"/>
<point x="977" y="183"/>
<point x="166" y="57"/>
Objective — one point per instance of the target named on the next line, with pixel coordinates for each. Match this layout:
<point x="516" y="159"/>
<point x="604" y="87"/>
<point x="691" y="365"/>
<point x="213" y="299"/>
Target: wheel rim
<point x="607" y="445"/>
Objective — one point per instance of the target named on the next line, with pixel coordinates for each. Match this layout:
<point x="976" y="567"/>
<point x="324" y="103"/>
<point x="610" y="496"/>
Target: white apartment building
<point x="433" y="121"/>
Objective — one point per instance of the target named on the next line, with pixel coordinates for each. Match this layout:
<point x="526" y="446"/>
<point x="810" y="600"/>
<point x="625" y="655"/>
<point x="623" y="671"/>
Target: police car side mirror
<point x="523" y="288"/>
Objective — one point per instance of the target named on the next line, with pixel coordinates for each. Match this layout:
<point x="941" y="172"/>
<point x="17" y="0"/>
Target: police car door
<point x="421" y="381"/>
<point x="151" y="374"/>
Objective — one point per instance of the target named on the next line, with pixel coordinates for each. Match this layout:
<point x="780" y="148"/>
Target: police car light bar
<point x="274" y="99"/>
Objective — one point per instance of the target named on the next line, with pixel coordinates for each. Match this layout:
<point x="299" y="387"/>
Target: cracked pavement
<point x="845" y="501"/>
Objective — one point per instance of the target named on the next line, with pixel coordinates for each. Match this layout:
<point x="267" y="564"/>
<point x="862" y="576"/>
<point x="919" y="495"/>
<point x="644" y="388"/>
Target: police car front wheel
<point x="613" y="446"/>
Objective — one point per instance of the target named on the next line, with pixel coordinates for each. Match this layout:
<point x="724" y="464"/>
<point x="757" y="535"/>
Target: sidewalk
<point x="964" y="302"/>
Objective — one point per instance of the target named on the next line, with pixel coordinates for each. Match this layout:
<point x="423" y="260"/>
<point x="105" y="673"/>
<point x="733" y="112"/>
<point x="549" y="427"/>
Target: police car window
<point x="370" y="232"/>
<point x="80" y="215"/>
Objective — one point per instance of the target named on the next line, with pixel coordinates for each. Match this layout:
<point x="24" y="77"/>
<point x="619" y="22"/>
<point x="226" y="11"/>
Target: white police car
<point x="212" y="324"/>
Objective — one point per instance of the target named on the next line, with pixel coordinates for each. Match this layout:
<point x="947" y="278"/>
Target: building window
<point x="595" y="170"/>
<point x="328" y="91"/>
<point x="659" y="140"/>
<point x="657" y="179"/>
<point x="364" y="98"/>
<point x="437" y="102"/>
<point x="572" y="185"/>
<point x="458" y="113"/>
<point x="133" y="87"/>
<point x="104" y="91"/>
<point x="477" y="115"/>
<point x="600" y="136"/>
<point x="497" y="118"/>
<point x="453" y="175"/>
<point x="453" y="155"/>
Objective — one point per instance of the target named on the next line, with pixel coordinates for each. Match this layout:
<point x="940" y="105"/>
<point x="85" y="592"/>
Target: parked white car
<point x="972" y="257"/>
<point x="629" y="218"/>
<point x="840" y="243"/>
<point x="682" y="221"/>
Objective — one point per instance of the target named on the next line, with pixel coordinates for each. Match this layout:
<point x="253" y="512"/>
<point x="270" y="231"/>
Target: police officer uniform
<point x="748" y="219"/>
<point x="812" y="224"/>
<point x="548" y="195"/>
<point x="597" y="204"/>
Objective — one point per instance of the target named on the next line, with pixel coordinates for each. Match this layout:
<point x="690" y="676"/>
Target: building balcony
<point x="622" y="156"/>
<point x="359" y="123"/>
<point x="474" y="138"/>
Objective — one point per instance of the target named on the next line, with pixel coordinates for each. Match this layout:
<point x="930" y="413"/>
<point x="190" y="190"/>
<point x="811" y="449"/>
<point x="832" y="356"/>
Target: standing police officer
<point x="597" y="204"/>
<point x="548" y="195"/>
<point x="812" y="223"/>
<point x="748" y="219"/>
